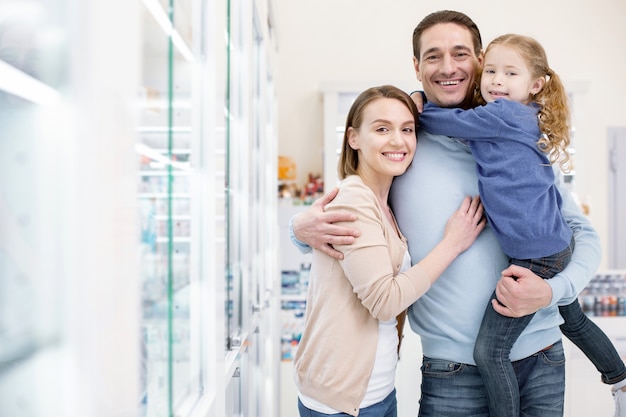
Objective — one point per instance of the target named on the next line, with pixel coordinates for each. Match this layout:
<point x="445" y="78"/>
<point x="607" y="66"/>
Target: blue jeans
<point x="497" y="335"/>
<point x="451" y="389"/>
<point x="386" y="408"/>
<point x="593" y="342"/>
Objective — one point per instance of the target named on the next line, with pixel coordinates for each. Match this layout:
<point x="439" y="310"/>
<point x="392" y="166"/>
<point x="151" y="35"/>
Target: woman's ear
<point x="353" y="138"/>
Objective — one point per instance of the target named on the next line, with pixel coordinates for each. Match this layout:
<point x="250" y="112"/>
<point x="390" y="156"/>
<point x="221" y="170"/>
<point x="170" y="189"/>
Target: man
<point x="447" y="55"/>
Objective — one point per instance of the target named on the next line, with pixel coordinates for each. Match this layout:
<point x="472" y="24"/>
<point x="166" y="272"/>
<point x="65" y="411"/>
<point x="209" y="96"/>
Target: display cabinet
<point x="164" y="159"/>
<point x="24" y="84"/>
<point x="207" y="159"/>
<point x="138" y="253"/>
<point x="31" y="299"/>
<point x="251" y="232"/>
<point x="68" y="246"/>
<point x="617" y="196"/>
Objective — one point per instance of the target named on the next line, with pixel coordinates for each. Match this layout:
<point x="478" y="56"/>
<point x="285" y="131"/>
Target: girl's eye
<point x="382" y="129"/>
<point x="408" y="130"/>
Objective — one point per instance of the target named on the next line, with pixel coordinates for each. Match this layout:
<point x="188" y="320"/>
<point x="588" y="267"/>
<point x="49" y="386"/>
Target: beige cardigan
<point x="346" y="299"/>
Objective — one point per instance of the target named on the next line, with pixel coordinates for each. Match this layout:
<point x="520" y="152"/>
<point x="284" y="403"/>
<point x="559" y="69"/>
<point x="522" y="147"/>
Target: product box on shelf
<point x="605" y="295"/>
<point x="292" y="318"/>
<point x="293" y="306"/>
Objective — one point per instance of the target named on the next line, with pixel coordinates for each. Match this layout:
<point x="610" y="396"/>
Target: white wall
<point x="369" y="42"/>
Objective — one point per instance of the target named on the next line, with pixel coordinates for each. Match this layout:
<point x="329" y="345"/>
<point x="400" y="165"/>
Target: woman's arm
<point x="368" y="265"/>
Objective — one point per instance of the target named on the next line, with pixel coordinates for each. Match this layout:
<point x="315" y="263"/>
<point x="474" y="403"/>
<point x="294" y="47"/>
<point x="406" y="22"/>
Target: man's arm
<point x="314" y="228"/>
<point x="528" y="293"/>
<point x="587" y="255"/>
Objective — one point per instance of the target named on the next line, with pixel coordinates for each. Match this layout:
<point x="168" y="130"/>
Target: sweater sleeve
<point x="587" y="254"/>
<point x="301" y="246"/>
<point x="368" y="262"/>
<point x="497" y="119"/>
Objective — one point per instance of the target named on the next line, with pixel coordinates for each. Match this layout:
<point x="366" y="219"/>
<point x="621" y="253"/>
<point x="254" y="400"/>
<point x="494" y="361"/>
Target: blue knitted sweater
<point x="515" y="178"/>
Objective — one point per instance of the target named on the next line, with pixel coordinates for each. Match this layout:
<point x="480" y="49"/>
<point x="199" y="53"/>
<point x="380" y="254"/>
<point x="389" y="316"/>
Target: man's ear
<point x="481" y="58"/>
<point x="416" y="65"/>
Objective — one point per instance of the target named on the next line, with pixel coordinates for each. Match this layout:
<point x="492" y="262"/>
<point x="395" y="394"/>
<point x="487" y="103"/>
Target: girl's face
<point x="386" y="139"/>
<point x="506" y="75"/>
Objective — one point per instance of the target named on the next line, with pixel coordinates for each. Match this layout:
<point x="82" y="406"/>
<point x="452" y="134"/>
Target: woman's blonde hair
<point x="349" y="159"/>
<point x="554" y="113"/>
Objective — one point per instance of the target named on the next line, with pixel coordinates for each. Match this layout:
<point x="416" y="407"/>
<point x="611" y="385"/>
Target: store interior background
<point x="176" y="139"/>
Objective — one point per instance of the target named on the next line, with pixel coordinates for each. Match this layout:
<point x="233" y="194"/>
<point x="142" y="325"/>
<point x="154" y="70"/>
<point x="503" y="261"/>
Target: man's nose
<point x="448" y="65"/>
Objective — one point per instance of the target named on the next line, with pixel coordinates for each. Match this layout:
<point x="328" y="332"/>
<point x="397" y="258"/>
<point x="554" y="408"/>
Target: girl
<point x="515" y="138"/>
<point x="346" y="360"/>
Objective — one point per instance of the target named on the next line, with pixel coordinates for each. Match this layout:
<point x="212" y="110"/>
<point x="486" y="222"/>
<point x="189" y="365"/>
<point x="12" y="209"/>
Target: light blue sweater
<point x="515" y="178"/>
<point x="448" y="316"/>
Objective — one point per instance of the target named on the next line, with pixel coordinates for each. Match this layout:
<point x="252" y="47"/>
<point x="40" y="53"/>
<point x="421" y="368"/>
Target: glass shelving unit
<point x="165" y="138"/>
<point x="33" y="197"/>
<point x="137" y="208"/>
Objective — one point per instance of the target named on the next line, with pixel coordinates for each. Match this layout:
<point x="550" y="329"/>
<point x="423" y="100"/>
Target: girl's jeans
<point x="497" y="335"/>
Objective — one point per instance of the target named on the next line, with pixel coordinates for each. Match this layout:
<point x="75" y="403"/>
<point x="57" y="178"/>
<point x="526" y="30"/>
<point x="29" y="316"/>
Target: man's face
<point x="447" y="64"/>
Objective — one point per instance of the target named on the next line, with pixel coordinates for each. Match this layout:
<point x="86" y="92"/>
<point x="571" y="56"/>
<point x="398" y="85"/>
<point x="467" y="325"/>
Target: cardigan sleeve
<point x="369" y="264"/>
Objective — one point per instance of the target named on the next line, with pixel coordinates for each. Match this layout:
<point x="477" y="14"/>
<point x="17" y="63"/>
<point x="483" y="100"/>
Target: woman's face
<point x="386" y="139"/>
